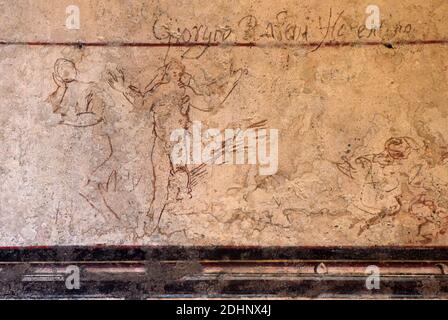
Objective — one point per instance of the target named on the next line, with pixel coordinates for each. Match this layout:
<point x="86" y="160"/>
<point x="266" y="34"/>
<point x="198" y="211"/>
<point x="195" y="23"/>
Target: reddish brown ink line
<point x="232" y="44"/>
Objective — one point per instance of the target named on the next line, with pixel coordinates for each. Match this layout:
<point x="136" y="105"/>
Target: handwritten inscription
<point x="282" y="28"/>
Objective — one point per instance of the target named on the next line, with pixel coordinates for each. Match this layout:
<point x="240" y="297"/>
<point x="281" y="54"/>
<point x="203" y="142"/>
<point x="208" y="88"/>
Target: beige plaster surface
<point x="84" y="130"/>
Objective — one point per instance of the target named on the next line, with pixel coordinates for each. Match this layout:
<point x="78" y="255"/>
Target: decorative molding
<point x="233" y="272"/>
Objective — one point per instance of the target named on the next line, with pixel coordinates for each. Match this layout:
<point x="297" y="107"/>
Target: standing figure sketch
<point x="169" y="97"/>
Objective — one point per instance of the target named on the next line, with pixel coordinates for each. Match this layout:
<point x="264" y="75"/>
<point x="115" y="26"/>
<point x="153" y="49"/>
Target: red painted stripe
<point x="230" y="44"/>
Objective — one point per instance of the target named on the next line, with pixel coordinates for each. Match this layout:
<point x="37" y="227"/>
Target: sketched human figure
<point x="394" y="182"/>
<point x="80" y="104"/>
<point x="169" y="98"/>
<point x="83" y="106"/>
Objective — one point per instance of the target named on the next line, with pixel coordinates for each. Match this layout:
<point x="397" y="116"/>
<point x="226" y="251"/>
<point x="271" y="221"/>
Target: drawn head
<point x="175" y="70"/>
<point x="399" y="147"/>
<point x="65" y="70"/>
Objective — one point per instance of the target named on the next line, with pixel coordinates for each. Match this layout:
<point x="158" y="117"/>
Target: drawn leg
<point x="161" y="172"/>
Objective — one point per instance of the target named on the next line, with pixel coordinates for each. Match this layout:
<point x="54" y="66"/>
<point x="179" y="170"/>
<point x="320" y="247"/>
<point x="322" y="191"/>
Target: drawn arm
<point x="158" y="80"/>
<point x="82" y="120"/>
<point x="91" y="112"/>
<point x="56" y="98"/>
<point x="117" y="81"/>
